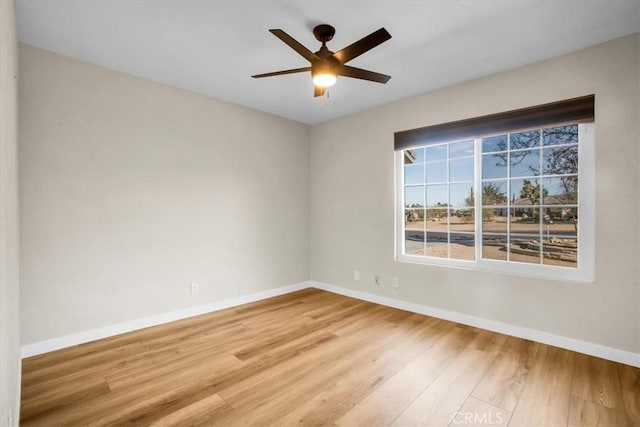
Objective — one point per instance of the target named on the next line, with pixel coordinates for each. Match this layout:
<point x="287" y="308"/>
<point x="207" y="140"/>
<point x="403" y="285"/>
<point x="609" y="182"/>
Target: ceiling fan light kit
<point x="323" y="74"/>
<point x="326" y="65"/>
<point x="327" y="79"/>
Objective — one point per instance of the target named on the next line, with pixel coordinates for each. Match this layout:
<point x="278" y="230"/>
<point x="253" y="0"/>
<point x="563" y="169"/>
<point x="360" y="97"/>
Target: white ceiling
<point x="213" y="47"/>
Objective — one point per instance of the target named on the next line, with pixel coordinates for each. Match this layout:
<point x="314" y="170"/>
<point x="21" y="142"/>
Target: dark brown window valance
<point x="579" y="110"/>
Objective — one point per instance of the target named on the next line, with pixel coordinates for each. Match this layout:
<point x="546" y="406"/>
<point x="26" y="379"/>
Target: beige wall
<point x="131" y="190"/>
<point x="352" y="200"/>
<point x="9" y="290"/>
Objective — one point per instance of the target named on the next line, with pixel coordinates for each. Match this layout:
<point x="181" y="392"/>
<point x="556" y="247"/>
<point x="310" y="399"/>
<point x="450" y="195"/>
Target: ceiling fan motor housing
<point x="324" y="32"/>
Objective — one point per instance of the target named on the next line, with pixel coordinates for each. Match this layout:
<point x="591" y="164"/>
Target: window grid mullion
<point x="509" y="206"/>
<point x="540" y="162"/>
<point x="448" y="202"/>
<point x="424" y="208"/>
<point x="477" y="205"/>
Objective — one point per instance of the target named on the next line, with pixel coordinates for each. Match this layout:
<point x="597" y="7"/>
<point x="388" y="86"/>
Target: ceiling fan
<point x="327" y="65"/>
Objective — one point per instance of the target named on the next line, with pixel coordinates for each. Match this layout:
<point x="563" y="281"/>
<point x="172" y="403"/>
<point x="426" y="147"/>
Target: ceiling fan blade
<point x="318" y="91"/>
<point x="361" y="46"/>
<point x="279" y="73"/>
<point x="295" y="45"/>
<point x="359" y="73"/>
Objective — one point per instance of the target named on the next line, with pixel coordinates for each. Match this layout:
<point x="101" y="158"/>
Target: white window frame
<point x="584" y="272"/>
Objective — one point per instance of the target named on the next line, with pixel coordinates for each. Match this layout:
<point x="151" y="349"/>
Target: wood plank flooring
<point x="316" y="358"/>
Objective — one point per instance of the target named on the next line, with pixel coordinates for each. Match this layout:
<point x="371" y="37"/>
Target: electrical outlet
<point x="376" y="279"/>
<point x="395" y="283"/>
<point x="194" y="288"/>
<point x="356" y="275"/>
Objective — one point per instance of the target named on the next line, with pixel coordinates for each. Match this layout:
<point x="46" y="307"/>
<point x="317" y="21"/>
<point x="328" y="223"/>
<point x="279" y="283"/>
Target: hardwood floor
<point x="316" y="358"/>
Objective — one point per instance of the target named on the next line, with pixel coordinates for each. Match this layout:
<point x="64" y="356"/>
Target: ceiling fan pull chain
<point x="323" y="98"/>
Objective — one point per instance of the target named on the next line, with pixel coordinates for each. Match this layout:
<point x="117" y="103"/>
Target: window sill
<point x="536" y="271"/>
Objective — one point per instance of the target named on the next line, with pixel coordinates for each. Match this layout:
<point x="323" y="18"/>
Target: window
<point x="514" y="200"/>
<point x="438" y="215"/>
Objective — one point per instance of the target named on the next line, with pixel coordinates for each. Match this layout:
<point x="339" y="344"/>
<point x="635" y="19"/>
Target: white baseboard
<point x="597" y="350"/>
<point x="120" y="328"/>
<point x="592" y="349"/>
